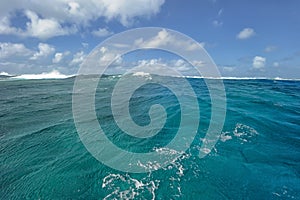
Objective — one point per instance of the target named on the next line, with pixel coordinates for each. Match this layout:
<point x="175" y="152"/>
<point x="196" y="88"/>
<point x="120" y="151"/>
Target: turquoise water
<point x="257" y="156"/>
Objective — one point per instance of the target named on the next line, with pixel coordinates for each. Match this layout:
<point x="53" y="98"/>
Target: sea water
<point x="256" y="157"/>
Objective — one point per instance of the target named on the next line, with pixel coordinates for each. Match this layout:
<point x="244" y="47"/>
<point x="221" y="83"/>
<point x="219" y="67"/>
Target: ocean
<point x="256" y="157"/>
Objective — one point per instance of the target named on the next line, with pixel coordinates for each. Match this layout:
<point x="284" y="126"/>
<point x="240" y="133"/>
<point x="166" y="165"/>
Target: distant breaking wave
<point x="147" y="75"/>
<point x="50" y="75"/>
<point x="5" y="74"/>
<point x="245" y="78"/>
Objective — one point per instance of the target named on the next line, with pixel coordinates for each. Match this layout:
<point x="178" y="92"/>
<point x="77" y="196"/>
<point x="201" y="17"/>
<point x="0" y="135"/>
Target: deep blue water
<point x="257" y="156"/>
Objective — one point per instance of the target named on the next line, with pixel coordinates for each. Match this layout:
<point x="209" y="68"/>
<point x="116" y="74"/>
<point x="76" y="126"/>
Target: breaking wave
<point x="45" y="75"/>
<point x="245" y="78"/>
<point x="5" y="74"/>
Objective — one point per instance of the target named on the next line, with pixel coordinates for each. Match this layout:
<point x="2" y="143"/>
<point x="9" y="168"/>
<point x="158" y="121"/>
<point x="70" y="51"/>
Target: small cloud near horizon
<point x="259" y="62"/>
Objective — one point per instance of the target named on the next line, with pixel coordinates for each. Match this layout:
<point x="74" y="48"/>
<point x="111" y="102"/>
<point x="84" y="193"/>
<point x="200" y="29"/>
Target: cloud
<point x="102" y="32"/>
<point x="50" y="18"/>
<point x="228" y="69"/>
<point x="217" y="23"/>
<point x="44" y="51"/>
<point x="181" y="65"/>
<point x="276" y="64"/>
<point x="153" y="66"/>
<point x="220" y="12"/>
<point x="109" y="56"/>
<point x="125" y="12"/>
<point x="35" y="27"/>
<point x="59" y="56"/>
<point x="78" y="58"/>
<point x="269" y="49"/>
<point x="178" y="64"/>
<point x="13" y="50"/>
<point x="164" y="38"/>
<point x="44" y="28"/>
<point x="85" y="45"/>
<point x="150" y="62"/>
<point x="246" y="33"/>
<point x="198" y="63"/>
<point x="259" y="62"/>
<point x="5" y="27"/>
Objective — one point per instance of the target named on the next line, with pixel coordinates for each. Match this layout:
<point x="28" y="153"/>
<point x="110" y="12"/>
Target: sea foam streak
<point x="51" y="75"/>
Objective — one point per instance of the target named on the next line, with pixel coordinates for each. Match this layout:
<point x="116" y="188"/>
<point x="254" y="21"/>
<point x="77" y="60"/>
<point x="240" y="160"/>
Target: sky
<point x="245" y="38"/>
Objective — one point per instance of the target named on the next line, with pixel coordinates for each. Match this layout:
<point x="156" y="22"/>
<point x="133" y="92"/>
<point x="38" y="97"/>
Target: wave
<point x="50" y="75"/>
<point x="148" y="75"/>
<point x="245" y="78"/>
<point x="286" y="79"/>
<point x="5" y="74"/>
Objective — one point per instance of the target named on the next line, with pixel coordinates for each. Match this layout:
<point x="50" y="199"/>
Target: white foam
<point x="244" y="133"/>
<point x="225" y="136"/>
<point x="133" y="188"/>
<point x="50" y="75"/>
<point x="5" y="74"/>
<point x="286" y="79"/>
<point x="205" y="150"/>
<point x="244" y="78"/>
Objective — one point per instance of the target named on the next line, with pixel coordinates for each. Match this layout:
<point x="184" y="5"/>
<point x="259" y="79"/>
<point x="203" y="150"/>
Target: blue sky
<point x="244" y="38"/>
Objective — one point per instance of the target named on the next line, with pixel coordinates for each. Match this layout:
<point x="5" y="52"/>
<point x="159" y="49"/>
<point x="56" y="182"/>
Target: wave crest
<point x="50" y="75"/>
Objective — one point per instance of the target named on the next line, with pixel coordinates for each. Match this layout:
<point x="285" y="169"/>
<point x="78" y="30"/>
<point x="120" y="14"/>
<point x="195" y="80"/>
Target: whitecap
<point x="132" y="188"/>
<point x="5" y="74"/>
<point x="225" y="136"/>
<point x="244" y="78"/>
<point x="244" y="133"/>
<point x="45" y="75"/>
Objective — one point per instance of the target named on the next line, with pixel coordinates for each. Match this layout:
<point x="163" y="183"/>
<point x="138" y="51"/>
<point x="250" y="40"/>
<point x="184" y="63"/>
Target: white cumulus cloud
<point x="102" y="32"/>
<point x="164" y="38"/>
<point x="126" y="11"/>
<point x="246" y="33"/>
<point x="78" y="58"/>
<point x="13" y="49"/>
<point x="43" y="28"/>
<point x="59" y="56"/>
<point x="50" y="18"/>
<point x="259" y="62"/>
<point x="5" y="27"/>
<point x="44" y="51"/>
<point x="182" y="65"/>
